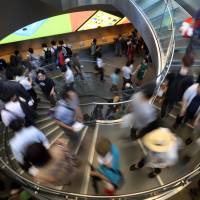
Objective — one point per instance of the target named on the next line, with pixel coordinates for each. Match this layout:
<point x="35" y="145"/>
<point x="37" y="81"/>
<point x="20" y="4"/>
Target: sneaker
<point x="152" y="175"/>
<point x="188" y="141"/>
<point x="133" y="167"/>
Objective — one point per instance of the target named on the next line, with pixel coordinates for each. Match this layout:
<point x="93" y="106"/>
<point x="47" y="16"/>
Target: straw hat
<point x="159" y="140"/>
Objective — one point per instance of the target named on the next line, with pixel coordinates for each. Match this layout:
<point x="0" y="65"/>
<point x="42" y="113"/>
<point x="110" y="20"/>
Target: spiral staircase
<point x="164" y="18"/>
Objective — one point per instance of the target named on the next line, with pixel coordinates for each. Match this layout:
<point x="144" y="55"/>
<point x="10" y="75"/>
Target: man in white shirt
<point x="69" y="76"/>
<point x="127" y="74"/>
<point x="24" y="136"/>
<point x="11" y="111"/>
<point x="100" y="66"/>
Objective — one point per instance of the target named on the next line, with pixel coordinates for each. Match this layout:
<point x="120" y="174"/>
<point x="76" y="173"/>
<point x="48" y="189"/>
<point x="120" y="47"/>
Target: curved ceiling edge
<point x="31" y="11"/>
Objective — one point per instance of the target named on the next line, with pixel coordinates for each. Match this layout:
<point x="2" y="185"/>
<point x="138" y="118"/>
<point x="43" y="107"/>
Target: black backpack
<point x="48" y="55"/>
<point x="69" y="52"/>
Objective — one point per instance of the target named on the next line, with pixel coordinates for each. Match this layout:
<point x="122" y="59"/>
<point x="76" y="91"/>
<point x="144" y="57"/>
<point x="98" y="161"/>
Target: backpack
<point x="69" y="52"/>
<point x="119" y="173"/>
<point x="47" y="55"/>
<point x="61" y="59"/>
<point x="97" y="113"/>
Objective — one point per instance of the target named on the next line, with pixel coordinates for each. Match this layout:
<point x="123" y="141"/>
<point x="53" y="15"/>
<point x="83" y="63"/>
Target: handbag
<point x="118" y="173"/>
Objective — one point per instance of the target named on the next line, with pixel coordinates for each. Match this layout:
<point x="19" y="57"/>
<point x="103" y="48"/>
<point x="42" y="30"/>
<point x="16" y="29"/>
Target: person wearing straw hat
<point x="162" y="151"/>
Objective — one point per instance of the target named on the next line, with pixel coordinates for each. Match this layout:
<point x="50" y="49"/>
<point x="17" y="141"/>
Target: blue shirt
<point x="114" y="177"/>
<point x="115" y="79"/>
<point x="65" y="113"/>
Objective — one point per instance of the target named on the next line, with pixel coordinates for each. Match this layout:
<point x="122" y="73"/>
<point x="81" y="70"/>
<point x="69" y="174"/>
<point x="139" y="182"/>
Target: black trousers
<point x="185" y="118"/>
<point x="101" y="72"/>
<point x="166" y="107"/>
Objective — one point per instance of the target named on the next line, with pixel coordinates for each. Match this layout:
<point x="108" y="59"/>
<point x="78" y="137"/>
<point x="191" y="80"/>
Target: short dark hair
<point x="30" y="50"/>
<point x="149" y="89"/>
<point x="61" y="42"/>
<point x="117" y="70"/>
<point x="44" y="45"/>
<point x="103" y="146"/>
<point x="41" y="71"/>
<point x="128" y="63"/>
<point x="94" y="40"/>
<point x="17" y="124"/>
<point x="53" y="42"/>
<point x="16" y="52"/>
<point x="99" y="55"/>
<point x="20" y="71"/>
<point x="37" y="154"/>
<point x="65" y="92"/>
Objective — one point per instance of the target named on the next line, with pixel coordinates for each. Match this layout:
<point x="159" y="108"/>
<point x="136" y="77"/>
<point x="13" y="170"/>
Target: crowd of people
<point x="56" y="164"/>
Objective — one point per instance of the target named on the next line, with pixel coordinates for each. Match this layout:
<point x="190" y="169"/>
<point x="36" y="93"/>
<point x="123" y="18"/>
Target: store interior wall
<point x="78" y="40"/>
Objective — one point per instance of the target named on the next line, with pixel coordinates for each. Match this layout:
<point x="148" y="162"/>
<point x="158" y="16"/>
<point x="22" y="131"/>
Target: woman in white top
<point x="69" y="76"/>
<point x="127" y="74"/>
<point x="24" y="136"/>
<point x="26" y="82"/>
<point x="100" y="66"/>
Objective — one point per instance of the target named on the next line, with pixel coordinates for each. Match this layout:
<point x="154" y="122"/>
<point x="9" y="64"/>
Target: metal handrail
<point x="36" y="187"/>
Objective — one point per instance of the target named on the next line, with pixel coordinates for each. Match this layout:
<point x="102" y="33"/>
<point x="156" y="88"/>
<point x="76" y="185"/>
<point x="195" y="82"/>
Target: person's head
<point x="41" y="75"/>
<point x="148" y="90"/>
<point x="117" y="71"/>
<point x="20" y="71"/>
<point x="53" y="43"/>
<point x="128" y="63"/>
<point x="30" y="50"/>
<point x="37" y="155"/>
<point x="94" y="40"/>
<point x="44" y="45"/>
<point x="9" y="94"/>
<point x="17" y="124"/>
<point x="103" y="146"/>
<point x="99" y="55"/>
<point x="68" y="94"/>
<point x="61" y="42"/>
<point x="188" y="60"/>
<point x="16" y="52"/>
